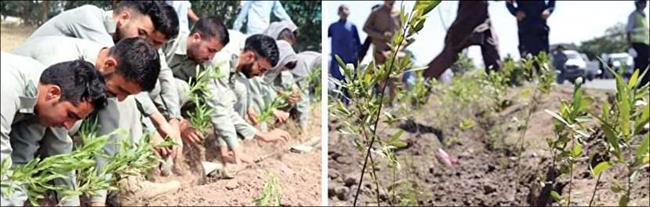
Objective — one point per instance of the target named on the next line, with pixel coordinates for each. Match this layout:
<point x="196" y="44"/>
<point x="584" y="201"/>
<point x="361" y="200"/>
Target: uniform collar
<point x="109" y="23"/>
<point x="181" y="44"/>
<point x="28" y="100"/>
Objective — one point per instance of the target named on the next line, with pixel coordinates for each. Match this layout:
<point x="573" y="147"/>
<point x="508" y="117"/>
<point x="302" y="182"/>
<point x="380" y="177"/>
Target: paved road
<point x="608" y="84"/>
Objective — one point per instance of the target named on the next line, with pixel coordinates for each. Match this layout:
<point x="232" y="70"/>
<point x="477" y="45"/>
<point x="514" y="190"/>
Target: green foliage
<point x="271" y="193"/>
<point x="362" y="114"/>
<point x="463" y="65"/>
<point x="314" y="84"/>
<point x="613" y="41"/>
<point x="200" y="116"/>
<point x="278" y="102"/>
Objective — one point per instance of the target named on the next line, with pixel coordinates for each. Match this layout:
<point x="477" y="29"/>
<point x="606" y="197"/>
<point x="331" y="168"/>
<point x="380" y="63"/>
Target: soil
<point x="299" y="174"/>
<point x="488" y="173"/>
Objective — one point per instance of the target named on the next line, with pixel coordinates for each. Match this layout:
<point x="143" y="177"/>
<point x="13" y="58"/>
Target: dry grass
<point x="13" y="35"/>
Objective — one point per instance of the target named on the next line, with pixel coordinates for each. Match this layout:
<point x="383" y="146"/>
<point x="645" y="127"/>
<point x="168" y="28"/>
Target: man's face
<point x="344" y="12"/>
<point x="642" y="5"/>
<point x="117" y="86"/>
<point x="53" y="112"/>
<point x="132" y="24"/>
<point x="201" y="49"/>
<point x="252" y="65"/>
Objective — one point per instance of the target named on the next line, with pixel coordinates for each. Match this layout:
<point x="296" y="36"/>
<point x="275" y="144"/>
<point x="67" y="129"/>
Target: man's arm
<point x="279" y="12"/>
<point x="168" y="92"/>
<point x="369" y="28"/>
<point x="357" y="40"/>
<point x="221" y="114"/>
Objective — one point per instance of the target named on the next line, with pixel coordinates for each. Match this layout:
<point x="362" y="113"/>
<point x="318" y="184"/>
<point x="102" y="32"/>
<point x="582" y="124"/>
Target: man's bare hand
<point x="520" y="15"/>
<point x="546" y="13"/>
<point x="275" y="135"/>
<point x="189" y="133"/>
<point x="281" y="116"/>
<point x="252" y="115"/>
<point x="156" y="141"/>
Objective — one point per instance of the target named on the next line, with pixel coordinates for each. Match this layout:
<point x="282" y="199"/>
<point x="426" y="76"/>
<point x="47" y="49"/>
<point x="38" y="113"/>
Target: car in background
<point x="617" y="62"/>
<point x="574" y="67"/>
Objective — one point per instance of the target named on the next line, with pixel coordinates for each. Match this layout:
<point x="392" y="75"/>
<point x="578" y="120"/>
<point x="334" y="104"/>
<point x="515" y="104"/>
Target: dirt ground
<point x="486" y="174"/>
<point x="299" y="174"/>
<point x="12" y="35"/>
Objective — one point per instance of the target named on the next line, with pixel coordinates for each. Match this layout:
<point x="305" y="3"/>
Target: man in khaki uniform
<point x="381" y="25"/>
<point x="155" y="21"/>
<point x="263" y="90"/>
<point x="256" y="57"/>
<point x="54" y="98"/>
<point x="129" y="67"/>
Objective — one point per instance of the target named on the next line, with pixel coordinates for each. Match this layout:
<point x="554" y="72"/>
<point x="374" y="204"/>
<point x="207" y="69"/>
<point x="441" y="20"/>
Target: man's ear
<point x="110" y="65"/>
<point x="196" y="37"/>
<point x="123" y="16"/>
<point x="52" y="93"/>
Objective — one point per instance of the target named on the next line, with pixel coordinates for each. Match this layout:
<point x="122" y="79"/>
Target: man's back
<point x="85" y="22"/>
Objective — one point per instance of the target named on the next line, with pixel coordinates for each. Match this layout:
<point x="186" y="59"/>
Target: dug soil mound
<point x="488" y="171"/>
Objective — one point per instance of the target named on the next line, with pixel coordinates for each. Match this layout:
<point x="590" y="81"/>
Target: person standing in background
<point x="531" y="21"/>
<point x="345" y="41"/>
<point x="258" y="16"/>
<point x="638" y="37"/>
<point x="185" y="13"/>
<point x="472" y="26"/>
<point x="381" y="26"/>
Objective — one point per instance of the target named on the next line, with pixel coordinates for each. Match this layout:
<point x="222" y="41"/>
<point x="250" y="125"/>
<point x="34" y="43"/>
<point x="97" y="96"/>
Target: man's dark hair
<point x="287" y="34"/>
<point x="212" y="27"/>
<point x="79" y="81"/>
<point x="137" y="61"/>
<point x="163" y="16"/>
<point x="263" y="46"/>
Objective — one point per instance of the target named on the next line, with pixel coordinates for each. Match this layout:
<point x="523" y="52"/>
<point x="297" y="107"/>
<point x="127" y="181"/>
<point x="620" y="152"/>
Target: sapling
<point x="365" y="104"/>
<point x="271" y="193"/>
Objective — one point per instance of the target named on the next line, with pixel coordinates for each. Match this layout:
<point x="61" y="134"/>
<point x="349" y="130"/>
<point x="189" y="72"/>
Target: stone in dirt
<point x="301" y="149"/>
<point x="210" y="167"/>
<point x="489" y="188"/>
<point x="343" y="193"/>
<point x="333" y="174"/>
<point x="351" y="180"/>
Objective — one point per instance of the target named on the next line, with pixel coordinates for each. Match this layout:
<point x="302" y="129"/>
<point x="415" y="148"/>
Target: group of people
<point x="472" y="26"/>
<point x="132" y="68"/>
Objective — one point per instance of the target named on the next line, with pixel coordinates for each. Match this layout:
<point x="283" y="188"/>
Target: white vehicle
<point x="575" y="60"/>
<point x="616" y="61"/>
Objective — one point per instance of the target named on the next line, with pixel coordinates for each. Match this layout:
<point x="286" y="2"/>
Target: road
<point x="608" y="84"/>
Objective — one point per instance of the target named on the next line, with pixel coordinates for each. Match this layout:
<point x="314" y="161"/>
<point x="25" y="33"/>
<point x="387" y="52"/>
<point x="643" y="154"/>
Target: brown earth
<point x="488" y="173"/>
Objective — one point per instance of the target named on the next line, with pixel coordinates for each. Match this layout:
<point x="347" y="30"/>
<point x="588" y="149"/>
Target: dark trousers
<point x="533" y="39"/>
<point x="641" y="61"/>
<point x="458" y="38"/>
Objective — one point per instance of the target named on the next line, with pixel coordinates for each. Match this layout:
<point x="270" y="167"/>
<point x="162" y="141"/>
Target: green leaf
<point x="600" y="167"/>
<point x="625" y="199"/>
<point x="556" y="196"/>
<point x="422" y="7"/>
<point x="556" y="116"/>
<point x="632" y="82"/>
<point x="576" y="150"/>
<point x="643" y="119"/>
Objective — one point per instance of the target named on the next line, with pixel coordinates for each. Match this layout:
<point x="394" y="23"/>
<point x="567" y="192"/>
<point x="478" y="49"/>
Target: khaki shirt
<point x="226" y="122"/>
<point x="124" y="114"/>
<point x="92" y="23"/>
<point x="20" y="127"/>
<point x="85" y="22"/>
<point x="380" y="21"/>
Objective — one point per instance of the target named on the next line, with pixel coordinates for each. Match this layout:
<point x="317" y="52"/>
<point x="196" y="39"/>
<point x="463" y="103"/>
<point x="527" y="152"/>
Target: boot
<point x="137" y="190"/>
